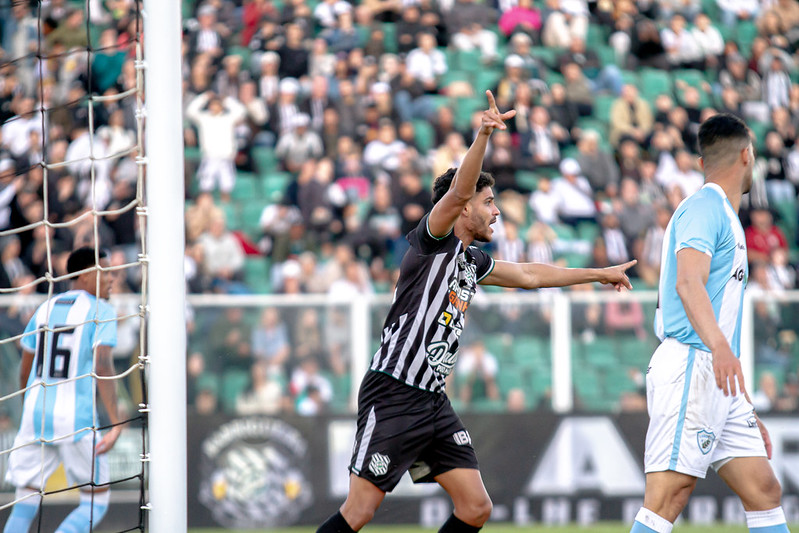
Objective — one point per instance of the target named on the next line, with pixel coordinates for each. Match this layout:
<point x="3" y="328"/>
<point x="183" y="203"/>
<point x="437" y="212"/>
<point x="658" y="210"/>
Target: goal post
<point x="165" y="278"/>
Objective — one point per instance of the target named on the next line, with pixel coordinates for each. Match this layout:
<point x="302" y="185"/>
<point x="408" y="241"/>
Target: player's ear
<point x="702" y="164"/>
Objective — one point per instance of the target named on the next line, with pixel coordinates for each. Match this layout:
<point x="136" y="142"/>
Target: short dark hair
<point x="443" y="182"/>
<point x="722" y="136"/>
<point x="83" y="258"/>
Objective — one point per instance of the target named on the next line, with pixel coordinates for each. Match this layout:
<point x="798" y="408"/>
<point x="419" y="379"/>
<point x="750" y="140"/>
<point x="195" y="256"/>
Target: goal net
<point x="72" y="176"/>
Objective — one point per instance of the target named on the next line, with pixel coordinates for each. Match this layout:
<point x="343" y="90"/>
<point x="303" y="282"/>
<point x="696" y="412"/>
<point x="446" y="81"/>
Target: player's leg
<point x="677" y="452"/>
<point x="362" y="501"/>
<point x="24" y="511"/>
<point x="26" y="465"/>
<point x="753" y="480"/>
<point x="83" y="465"/>
<point x="469" y="497"/>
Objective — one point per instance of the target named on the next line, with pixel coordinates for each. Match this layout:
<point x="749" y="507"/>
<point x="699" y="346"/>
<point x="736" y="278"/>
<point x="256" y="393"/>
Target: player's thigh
<point x="753" y="480"/>
<point x="741" y="436"/>
<point x="465" y="487"/>
<point x="450" y="448"/>
<point x="82" y="464"/>
<point x="395" y="424"/>
<point x="30" y="466"/>
<point x="687" y="411"/>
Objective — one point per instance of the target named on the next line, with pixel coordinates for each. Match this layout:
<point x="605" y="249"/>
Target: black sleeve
<point x="485" y="263"/>
<point x="420" y="238"/>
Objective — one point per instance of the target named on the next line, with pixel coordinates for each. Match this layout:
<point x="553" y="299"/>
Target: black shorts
<point x="401" y="428"/>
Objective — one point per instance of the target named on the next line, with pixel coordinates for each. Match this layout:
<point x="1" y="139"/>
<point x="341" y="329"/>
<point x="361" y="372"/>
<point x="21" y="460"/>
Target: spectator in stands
<point x="541" y="143"/>
<point x="574" y="197"/>
<point x="265" y="395"/>
<point x="734" y="10"/>
<point x="477" y="374"/>
<point x="426" y="63"/>
<point x="286" y="108"/>
<point x="522" y="18"/>
<point x="709" y="39"/>
<point x="224" y="257"/>
<point x="299" y="145"/>
<point x="311" y="390"/>
<point x="648" y="266"/>
<point x="682" y="48"/>
<point x="469" y="26"/>
<point x="646" y="48"/>
<point x="382" y="154"/>
<point x="449" y="155"/>
<point x="598" y="165"/>
<point x="71" y="33"/>
<point x="206" y="39"/>
<point x="270" y="342"/>
<point x="408" y="28"/>
<point x="687" y="8"/>
<point x="762" y="236"/>
<point x="624" y="316"/>
<point x="228" y="344"/>
<point x="778" y="187"/>
<point x="502" y="163"/>
<point x="606" y="78"/>
<point x="776" y="84"/>
<point x="785" y="14"/>
<point x="613" y="238"/>
<point x="635" y="218"/>
<point x="293" y="54"/>
<point x="630" y="115"/>
<point x="578" y="89"/>
<point x="269" y="81"/>
<point x="781" y="273"/>
<point x="216" y="126"/>
<point x="564" y="20"/>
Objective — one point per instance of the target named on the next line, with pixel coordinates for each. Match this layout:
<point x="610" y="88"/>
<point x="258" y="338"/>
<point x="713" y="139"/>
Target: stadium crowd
<point x="314" y="130"/>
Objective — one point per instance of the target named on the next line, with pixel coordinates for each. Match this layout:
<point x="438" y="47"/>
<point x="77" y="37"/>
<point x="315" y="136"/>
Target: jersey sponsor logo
<point x="462" y="437"/>
<point x="459" y="296"/>
<point x="752" y="421"/>
<point x="253" y="473"/>
<point x="704" y="439"/>
<point x="378" y="465"/>
<point x="440" y="358"/>
<point x="739" y="274"/>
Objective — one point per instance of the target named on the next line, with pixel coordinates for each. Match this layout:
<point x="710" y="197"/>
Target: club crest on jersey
<point x="704" y="439"/>
<point x="467" y="272"/>
<point x="379" y="464"/>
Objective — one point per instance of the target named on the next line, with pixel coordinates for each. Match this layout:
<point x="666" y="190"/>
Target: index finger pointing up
<point x="492" y="104"/>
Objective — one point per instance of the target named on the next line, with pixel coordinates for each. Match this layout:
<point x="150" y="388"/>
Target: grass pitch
<point x="602" y="527"/>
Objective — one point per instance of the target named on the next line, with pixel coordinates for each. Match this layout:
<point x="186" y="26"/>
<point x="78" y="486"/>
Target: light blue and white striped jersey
<point x="704" y="221"/>
<point x="55" y="411"/>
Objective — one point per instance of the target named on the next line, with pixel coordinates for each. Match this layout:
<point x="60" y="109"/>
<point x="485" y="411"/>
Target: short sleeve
<point x="698" y="227"/>
<point x="485" y="263"/>
<point x="421" y="239"/>
<point x="106" y="332"/>
<point x="29" y="340"/>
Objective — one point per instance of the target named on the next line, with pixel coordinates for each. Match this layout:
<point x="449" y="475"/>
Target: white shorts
<point x="31" y="465"/>
<point x="692" y="425"/>
<point x="215" y="170"/>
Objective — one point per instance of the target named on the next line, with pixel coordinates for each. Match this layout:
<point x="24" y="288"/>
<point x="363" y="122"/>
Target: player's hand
<point x="765" y="435"/>
<point x="727" y="368"/>
<point x="616" y="275"/>
<point x="492" y="118"/>
<point x="108" y="440"/>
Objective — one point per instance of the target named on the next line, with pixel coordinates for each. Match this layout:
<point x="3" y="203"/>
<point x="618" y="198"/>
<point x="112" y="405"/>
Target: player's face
<point x="106" y="280"/>
<point x="484" y="213"/>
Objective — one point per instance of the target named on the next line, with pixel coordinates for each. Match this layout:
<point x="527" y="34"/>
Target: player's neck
<point x="464" y="235"/>
<point x="729" y="182"/>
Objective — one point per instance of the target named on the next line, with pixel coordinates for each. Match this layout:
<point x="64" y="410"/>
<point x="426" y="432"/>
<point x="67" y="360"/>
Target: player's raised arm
<point x="448" y="209"/>
<point x="538" y="275"/>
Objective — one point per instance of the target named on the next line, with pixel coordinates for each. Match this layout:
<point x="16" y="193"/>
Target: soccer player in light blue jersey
<point x="700" y="413"/>
<point x="69" y="337"/>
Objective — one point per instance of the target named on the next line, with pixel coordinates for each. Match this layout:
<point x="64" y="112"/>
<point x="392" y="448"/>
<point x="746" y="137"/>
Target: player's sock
<point x="335" y="524"/>
<point x="87" y="515"/>
<point x="456" y="525"/>
<point x="648" y="522"/>
<point x="772" y="521"/>
<point x="23" y="512"/>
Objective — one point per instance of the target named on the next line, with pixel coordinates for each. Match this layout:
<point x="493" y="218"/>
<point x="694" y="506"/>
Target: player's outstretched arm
<point x="538" y="275"/>
<point x="693" y="269"/>
<point x="448" y="209"/>
<point x="107" y="389"/>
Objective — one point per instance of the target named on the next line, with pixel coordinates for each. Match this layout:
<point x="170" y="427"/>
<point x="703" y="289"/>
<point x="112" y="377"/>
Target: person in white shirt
<point x="384" y="152"/>
<point x="682" y="49"/>
<point x="734" y="10"/>
<point x="216" y="125"/>
<point x="426" y="63"/>
<point x="709" y="39"/>
<point x="574" y="197"/>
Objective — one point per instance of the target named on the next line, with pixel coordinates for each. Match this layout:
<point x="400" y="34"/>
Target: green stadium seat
<point x="274" y="184"/>
<point x="527" y="179"/>
<point x="465" y="107"/>
<point x="233" y="385"/>
<point x="654" y="83"/>
<point x="231" y="211"/>
<point x="264" y="158"/>
<point x="602" y="105"/>
<point x="454" y="75"/>
<point x="596" y="37"/>
<point x="469" y="60"/>
<point x="599" y="126"/>
<point x="745" y="33"/>
<point x="250" y="218"/>
<point x="486" y="79"/>
<point x="759" y="130"/>
<point x="390" y="37"/>
<point x="246" y="187"/>
<point x="601" y="353"/>
<point x="243" y="52"/>
<point x="607" y="55"/>
<point x="424" y="135"/>
<point x="548" y="56"/>
<point x="630" y="77"/>
<point x="693" y="77"/>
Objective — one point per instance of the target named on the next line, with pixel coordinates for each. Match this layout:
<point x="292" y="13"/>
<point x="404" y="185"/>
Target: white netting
<point x="72" y="175"/>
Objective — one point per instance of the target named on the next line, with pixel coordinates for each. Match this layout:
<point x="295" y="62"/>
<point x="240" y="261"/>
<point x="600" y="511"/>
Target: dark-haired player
<point x="700" y="413"/>
<point x="405" y="420"/>
<point x="70" y="335"/>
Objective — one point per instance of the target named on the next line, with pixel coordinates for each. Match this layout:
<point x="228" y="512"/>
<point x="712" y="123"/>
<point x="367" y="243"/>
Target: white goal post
<point x="166" y="283"/>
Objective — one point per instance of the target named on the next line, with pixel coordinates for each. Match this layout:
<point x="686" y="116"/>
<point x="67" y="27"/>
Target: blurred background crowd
<point x="313" y="131"/>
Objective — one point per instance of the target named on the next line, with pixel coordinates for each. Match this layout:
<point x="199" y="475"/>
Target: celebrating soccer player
<point x="405" y="420"/>
<point x="700" y="413"/>
<point x="59" y="410"/>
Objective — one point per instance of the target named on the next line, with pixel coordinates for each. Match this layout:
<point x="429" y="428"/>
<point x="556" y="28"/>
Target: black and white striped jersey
<point x="438" y="279"/>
